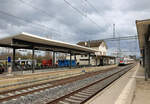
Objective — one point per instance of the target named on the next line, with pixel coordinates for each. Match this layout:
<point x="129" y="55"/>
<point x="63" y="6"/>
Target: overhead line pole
<point x="114" y="31"/>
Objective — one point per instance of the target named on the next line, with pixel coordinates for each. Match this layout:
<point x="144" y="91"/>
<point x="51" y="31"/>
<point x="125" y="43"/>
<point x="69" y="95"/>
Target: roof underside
<point x="143" y="28"/>
<point x="29" y="41"/>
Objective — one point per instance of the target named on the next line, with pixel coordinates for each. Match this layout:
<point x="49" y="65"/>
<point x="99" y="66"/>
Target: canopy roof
<point x="30" y="41"/>
<point x="143" y="29"/>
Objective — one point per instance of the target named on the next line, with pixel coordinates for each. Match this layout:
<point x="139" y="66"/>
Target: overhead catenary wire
<point x="36" y="8"/>
<point x="47" y="14"/>
<point x="25" y="20"/>
<point x="18" y="18"/>
<point x="118" y="38"/>
<point x="91" y="5"/>
<point x="94" y="8"/>
<point x="43" y="12"/>
<point x="34" y="25"/>
<point x="81" y="13"/>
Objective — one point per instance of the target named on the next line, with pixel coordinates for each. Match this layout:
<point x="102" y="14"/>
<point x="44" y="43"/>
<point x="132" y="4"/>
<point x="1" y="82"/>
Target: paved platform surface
<point x="142" y="91"/>
<point x="59" y="74"/>
<point x="119" y="92"/>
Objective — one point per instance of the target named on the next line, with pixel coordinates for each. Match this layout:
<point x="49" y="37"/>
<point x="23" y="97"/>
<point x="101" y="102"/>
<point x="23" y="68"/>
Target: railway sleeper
<point x="81" y="96"/>
<point x="84" y="93"/>
<point x="63" y="102"/>
<point x="72" y="100"/>
<point x="77" y="98"/>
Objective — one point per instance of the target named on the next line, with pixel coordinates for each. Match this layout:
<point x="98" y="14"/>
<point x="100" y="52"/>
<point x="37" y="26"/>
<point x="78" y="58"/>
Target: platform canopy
<point x="30" y="41"/>
<point x="143" y="30"/>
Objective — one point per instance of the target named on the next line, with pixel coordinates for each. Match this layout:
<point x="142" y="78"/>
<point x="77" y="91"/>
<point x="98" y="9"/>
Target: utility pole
<point x="114" y="31"/>
<point x="119" y="50"/>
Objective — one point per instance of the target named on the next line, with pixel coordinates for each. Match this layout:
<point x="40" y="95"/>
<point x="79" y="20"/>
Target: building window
<point x="81" y="55"/>
<point x="85" y="55"/>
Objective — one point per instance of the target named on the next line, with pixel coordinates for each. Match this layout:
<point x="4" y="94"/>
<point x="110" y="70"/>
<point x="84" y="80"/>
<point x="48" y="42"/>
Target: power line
<point x="43" y="12"/>
<point x="117" y="38"/>
<point x="25" y="20"/>
<point x="93" y="7"/>
<point x="34" y="25"/>
<point x="81" y="13"/>
<point x="114" y="31"/>
<point x="19" y="18"/>
<point x="46" y="13"/>
<point x="36" y="8"/>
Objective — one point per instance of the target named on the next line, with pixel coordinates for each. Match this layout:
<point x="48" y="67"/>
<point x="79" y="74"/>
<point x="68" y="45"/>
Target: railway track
<point x="79" y="95"/>
<point x="82" y="95"/>
<point x="22" y="91"/>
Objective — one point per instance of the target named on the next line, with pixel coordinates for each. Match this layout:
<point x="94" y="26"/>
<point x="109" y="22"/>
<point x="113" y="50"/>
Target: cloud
<point x="66" y="24"/>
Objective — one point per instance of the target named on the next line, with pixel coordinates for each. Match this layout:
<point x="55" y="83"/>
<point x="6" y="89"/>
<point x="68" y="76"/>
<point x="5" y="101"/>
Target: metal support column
<point x="148" y="70"/>
<point x="89" y="60"/>
<point x="147" y="66"/>
<point x="14" y="57"/>
<point x="96" y="60"/>
<point x="143" y="52"/>
<point x="53" y="59"/>
<point x="70" y="61"/>
<point x="33" y="62"/>
<point x="75" y="58"/>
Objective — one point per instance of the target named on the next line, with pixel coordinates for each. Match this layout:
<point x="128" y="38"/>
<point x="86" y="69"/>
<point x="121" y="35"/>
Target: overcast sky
<point x="57" y="20"/>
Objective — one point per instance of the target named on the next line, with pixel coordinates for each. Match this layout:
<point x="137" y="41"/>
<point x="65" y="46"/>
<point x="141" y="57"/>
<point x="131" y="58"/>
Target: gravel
<point x="52" y="93"/>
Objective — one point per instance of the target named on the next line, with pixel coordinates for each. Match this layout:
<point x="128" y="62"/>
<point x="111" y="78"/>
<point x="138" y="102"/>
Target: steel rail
<point x="62" y="100"/>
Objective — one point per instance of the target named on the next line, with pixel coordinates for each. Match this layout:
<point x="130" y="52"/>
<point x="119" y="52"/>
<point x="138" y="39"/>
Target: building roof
<point x="91" y="44"/>
<point x="143" y="28"/>
<point x="30" y="41"/>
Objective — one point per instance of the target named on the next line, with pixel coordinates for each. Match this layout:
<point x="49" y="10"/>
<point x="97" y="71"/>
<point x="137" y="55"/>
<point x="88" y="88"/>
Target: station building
<point x="100" y="56"/>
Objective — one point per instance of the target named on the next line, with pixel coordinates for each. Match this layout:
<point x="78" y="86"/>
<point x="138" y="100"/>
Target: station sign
<point x="9" y="59"/>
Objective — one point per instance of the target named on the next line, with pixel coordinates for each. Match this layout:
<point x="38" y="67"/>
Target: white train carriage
<point x="125" y="61"/>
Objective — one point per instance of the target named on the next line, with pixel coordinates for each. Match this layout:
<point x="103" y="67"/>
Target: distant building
<point x="101" y="48"/>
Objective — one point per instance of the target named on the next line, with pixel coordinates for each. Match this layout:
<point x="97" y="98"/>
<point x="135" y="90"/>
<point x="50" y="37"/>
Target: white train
<point x="125" y="61"/>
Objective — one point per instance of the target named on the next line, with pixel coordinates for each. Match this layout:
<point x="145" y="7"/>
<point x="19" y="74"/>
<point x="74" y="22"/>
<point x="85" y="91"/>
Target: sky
<point x="73" y="20"/>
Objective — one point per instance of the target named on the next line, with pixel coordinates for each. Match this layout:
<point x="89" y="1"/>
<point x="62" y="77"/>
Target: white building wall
<point x="83" y="59"/>
<point x="102" y="50"/>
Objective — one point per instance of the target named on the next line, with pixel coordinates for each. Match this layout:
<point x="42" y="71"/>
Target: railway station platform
<point x="28" y="78"/>
<point x="142" y="91"/>
<point x="131" y="88"/>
